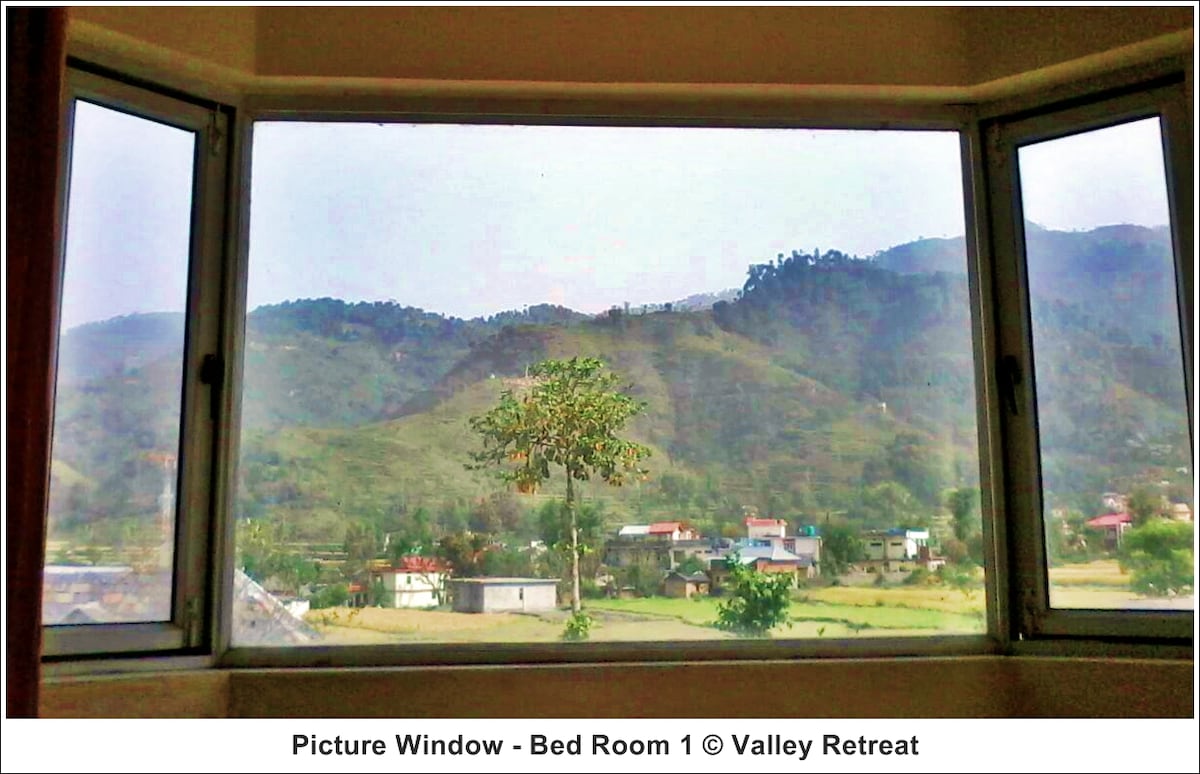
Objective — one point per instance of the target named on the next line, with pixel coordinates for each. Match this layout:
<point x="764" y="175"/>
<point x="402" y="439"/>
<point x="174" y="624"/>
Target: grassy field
<point x="848" y="613"/>
<point x="832" y="612"/>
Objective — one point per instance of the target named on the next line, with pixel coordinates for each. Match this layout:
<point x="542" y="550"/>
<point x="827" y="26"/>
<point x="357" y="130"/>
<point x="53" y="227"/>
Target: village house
<point x="503" y="595"/>
<point x="765" y="528"/>
<point x="897" y="550"/>
<point x="665" y="544"/>
<point x="770" y="558"/>
<point x="805" y="543"/>
<point x="683" y="585"/>
<point x="1113" y="526"/>
<point x="415" y="581"/>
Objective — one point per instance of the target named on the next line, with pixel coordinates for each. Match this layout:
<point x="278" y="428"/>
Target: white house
<point x="504" y="595"/>
<point x="895" y="544"/>
<point x="765" y="528"/>
<point x="416" y="582"/>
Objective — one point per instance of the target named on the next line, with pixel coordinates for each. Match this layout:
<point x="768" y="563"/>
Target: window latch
<point x="212" y="373"/>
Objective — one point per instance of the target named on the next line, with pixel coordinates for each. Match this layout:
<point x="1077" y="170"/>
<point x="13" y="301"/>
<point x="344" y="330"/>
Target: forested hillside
<point x="827" y="385"/>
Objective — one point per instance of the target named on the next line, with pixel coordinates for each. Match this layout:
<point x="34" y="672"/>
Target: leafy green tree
<point x="415" y="537"/>
<point x="961" y="503"/>
<point x="757" y="602"/>
<point x="889" y="504"/>
<point x="840" y="547"/>
<point x="644" y="575"/>
<point x="466" y="552"/>
<point x="918" y="465"/>
<point x="262" y="554"/>
<point x="1160" y="556"/>
<point x="361" y="546"/>
<point x="554" y="530"/>
<point x="330" y="596"/>
<point x="1145" y="504"/>
<point x="691" y="565"/>
<point x="569" y="418"/>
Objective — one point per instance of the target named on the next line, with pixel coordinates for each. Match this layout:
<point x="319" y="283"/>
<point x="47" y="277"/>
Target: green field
<point x="850" y="613"/>
<point x="833" y="612"/>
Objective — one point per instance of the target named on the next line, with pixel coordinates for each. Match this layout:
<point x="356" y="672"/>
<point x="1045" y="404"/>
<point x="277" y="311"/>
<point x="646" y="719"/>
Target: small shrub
<point x="578" y="627"/>
<point x="758" y="601"/>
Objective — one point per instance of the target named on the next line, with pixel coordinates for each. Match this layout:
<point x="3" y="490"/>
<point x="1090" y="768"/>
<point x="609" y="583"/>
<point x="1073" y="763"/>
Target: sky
<point x="469" y="220"/>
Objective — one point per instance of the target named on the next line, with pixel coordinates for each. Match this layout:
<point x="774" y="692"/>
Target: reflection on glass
<point x="113" y="472"/>
<point x="1115" y="447"/>
<point x="808" y="410"/>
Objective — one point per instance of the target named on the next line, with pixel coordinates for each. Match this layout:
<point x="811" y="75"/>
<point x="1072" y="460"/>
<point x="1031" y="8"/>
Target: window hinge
<point x="216" y="137"/>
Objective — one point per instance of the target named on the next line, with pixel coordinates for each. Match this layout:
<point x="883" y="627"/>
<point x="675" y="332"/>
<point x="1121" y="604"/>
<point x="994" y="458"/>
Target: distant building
<point x="765" y="528"/>
<point x="671" y="531"/>
<point x="772" y="558"/>
<point x="1113" y="525"/>
<point x="415" y="581"/>
<point x="1114" y="502"/>
<point x="681" y="585"/>
<point x="503" y="595"/>
<point x="75" y="594"/>
<point x="896" y="550"/>
<point x="665" y="544"/>
<point x="806" y="543"/>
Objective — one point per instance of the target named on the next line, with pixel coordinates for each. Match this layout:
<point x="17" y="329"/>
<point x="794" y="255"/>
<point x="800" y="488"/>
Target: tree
<point x="569" y="418"/>
<point x="465" y="552"/>
<point x="758" y="601"/>
<point x="1160" y="557"/>
<point x="1145" y="504"/>
<point x="691" y="565"/>
<point x="961" y="503"/>
<point x="890" y="504"/>
<point x="361" y="545"/>
<point x="554" y="530"/>
<point x="840" y="547"/>
<point x="415" y="537"/>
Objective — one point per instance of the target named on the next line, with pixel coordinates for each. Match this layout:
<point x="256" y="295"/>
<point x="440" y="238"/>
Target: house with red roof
<point x="672" y="531"/>
<point x="413" y="581"/>
<point x="757" y="528"/>
<point x="1114" y="526"/>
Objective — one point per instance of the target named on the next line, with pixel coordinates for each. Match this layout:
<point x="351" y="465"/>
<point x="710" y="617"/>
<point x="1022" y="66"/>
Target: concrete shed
<point x="503" y="595"/>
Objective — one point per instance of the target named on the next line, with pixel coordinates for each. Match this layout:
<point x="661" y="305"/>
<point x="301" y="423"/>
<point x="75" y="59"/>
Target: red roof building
<point x="1110" y="521"/>
<point x="1114" y="526"/>
<point x="670" y="530"/>
<point x="765" y="528"/>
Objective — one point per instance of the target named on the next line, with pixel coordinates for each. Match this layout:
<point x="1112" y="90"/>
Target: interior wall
<point x="886" y="46"/>
<point x="203" y="694"/>
<point x="983" y="686"/>
<point x="810" y="45"/>
<point x="223" y="35"/>
<point x="1008" y="40"/>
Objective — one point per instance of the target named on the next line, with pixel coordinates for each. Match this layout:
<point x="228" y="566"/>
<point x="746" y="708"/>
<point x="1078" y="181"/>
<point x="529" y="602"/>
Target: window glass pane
<point x="1112" y="421"/>
<point x="787" y="310"/>
<point x="117" y="406"/>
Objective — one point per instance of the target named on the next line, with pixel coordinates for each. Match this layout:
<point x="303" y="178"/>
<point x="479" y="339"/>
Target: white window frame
<point x="1029" y="580"/>
<point x="188" y="628"/>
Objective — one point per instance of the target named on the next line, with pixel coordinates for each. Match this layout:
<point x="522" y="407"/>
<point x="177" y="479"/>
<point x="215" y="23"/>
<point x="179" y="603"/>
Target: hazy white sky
<point x="471" y="220"/>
